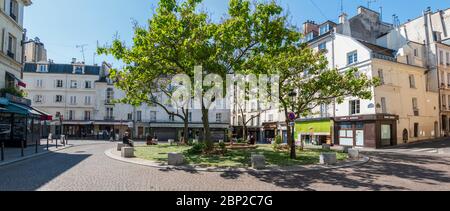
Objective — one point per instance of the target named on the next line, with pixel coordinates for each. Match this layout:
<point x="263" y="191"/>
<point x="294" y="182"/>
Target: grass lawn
<point x="234" y="158"/>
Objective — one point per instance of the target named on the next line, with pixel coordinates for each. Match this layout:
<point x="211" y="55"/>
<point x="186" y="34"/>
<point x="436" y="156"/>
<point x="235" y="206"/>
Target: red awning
<point x="22" y="84"/>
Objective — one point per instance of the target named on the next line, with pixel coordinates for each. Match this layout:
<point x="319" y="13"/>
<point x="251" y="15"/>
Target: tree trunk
<point x="290" y="136"/>
<point x="186" y="129"/>
<point x="206" y="130"/>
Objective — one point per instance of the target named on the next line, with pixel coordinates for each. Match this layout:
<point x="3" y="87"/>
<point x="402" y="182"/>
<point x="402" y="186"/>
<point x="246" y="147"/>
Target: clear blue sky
<point x="63" y="24"/>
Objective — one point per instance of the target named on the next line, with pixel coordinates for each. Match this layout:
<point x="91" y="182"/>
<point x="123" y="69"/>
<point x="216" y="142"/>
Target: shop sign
<point x="18" y="100"/>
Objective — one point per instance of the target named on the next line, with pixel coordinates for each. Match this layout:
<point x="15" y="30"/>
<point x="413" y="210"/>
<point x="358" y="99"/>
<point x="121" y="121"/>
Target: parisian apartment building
<point x="412" y="102"/>
<point x="83" y="102"/>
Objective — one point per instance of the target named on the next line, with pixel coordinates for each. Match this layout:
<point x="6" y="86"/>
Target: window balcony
<point x="109" y="102"/>
<point x="13" y="16"/>
<point x="416" y="112"/>
<point x="11" y="55"/>
<point x="109" y="118"/>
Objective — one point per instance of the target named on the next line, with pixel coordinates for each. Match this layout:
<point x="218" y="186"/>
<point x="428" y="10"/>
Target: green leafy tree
<point x="306" y="82"/>
<point x="175" y="41"/>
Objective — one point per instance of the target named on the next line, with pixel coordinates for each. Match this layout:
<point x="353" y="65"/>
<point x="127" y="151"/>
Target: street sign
<point x="292" y="116"/>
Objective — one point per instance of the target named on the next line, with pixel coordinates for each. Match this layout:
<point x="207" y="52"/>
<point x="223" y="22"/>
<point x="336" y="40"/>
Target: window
<point x="219" y="117"/>
<point x="381" y="76"/>
<point x="383" y="105"/>
<point x="71" y="115"/>
<point x="270" y="118"/>
<point x="130" y="117"/>
<point x="309" y="37"/>
<point x="39" y="83"/>
<point x="59" y="83"/>
<point x="416" y="52"/>
<point x="73" y="84"/>
<point x="73" y="100"/>
<point x="352" y="57"/>
<point x="416" y="130"/>
<point x="447" y="58"/>
<point x="153" y="116"/>
<point x="87" y="115"/>
<point x="171" y="117"/>
<point x="324" y="29"/>
<point x="59" y="99"/>
<point x="14" y="9"/>
<point x="323" y="46"/>
<point x="441" y="57"/>
<point x="12" y="44"/>
<point x="324" y="110"/>
<point x="78" y="70"/>
<point x="42" y="68"/>
<point x="355" y="107"/>
<point x="412" y="81"/>
<point x="87" y="100"/>
<point x="448" y="80"/>
<point x="139" y="116"/>
<point x="109" y="95"/>
<point x="38" y="99"/>
<point x="190" y="117"/>
<point x="448" y="102"/>
<point x="109" y="113"/>
<point x="415" y="106"/>
<point x="88" y="84"/>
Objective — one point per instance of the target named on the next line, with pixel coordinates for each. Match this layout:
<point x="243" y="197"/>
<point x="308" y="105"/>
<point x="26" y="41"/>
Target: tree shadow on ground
<point x="28" y="175"/>
<point x="366" y="177"/>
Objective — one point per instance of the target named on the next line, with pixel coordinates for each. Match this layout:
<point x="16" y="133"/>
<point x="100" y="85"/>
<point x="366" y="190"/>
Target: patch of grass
<point x="234" y="158"/>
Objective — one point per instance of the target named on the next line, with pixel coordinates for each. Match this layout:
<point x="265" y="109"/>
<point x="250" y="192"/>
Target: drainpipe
<point x="22" y="43"/>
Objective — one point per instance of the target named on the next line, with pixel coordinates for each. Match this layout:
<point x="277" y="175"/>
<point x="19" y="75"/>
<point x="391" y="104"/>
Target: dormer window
<point x="324" y="29"/>
<point x="309" y="37"/>
<point x="42" y="68"/>
<point x="78" y="70"/>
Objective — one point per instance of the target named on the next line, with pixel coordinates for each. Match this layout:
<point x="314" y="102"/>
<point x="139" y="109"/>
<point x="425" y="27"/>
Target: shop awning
<point x="21" y="109"/>
<point x="19" y="81"/>
<point x="44" y="115"/>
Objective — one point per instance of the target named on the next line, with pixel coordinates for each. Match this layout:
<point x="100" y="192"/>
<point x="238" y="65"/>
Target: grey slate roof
<point x="62" y="69"/>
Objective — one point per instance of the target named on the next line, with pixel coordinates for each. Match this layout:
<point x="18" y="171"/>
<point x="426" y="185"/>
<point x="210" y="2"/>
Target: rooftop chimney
<point x="74" y="60"/>
<point x="343" y="18"/>
<point x="309" y="26"/>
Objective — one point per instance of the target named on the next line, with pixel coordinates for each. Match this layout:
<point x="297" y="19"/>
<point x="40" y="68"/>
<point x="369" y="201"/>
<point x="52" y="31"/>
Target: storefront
<point x="371" y="131"/>
<point x="19" y="122"/>
<point x="102" y="129"/>
<point x="314" y="131"/>
<point x="269" y="131"/>
<point x="79" y="129"/>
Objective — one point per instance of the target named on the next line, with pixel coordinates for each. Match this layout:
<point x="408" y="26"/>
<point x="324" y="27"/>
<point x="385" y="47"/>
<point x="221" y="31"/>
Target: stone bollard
<point x="353" y="154"/>
<point x="329" y="158"/>
<point x="120" y="146"/>
<point x="171" y="142"/>
<point x="346" y="148"/>
<point x="326" y="147"/>
<point x="175" y="159"/>
<point x="258" y="161"/>
<point x="127" y="152"/>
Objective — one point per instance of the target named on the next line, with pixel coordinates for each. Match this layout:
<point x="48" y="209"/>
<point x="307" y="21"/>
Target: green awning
<point x="315" y="126"/>
<point x="21" y="109"/>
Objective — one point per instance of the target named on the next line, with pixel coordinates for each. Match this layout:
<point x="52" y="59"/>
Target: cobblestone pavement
<point x="85" y="167"/>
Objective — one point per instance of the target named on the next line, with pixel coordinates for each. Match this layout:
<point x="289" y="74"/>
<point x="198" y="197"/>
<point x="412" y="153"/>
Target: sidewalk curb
<point x="7" y="163"/>
<point x="137" y="161"/>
